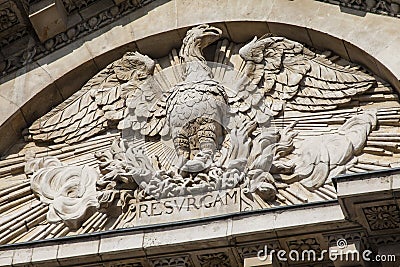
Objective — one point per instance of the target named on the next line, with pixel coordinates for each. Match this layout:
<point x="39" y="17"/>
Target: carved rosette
<point x="383" y="217"/>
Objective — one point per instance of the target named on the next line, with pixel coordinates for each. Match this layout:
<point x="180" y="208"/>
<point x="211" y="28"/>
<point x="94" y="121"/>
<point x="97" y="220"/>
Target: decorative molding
<point x="382" y="217"/>
<point x="385" y="240"/>
<point x="12" y="25"/>
<point x="383" y="7"/>
<point x="220" y="259"/>
<point x="251" y="250"/>
<point x="350" y="237"/>
<point x="175" y="261"/>
<point x="74" y="5"/>
<point x="133" y="264"/>
<point x="8" y="18"/>
<point x="9" y="39"/>
<point x="305" y="244"/>
<point x="32" y="53"/>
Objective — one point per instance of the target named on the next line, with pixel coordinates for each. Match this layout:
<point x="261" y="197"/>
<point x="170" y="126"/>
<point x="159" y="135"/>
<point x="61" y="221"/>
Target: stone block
<point x="243" y="32"/>
<point x="78" y="252"/>
<point x="391" y="62"/>
<point x="253" y="10"/>
<point x="363" y="186"/>
<point x="295" y="33"/>
<point x="117" y="245"/>
<point x="22" y="256"/>
<point x="191" y="13"/>
<point x="44" y="253"/>
<point x="110" y="45"/>
<point x="33" y="92"/>
<point x="48" y="18"/>
<point x="71" y="67"/>
<point x="308" y="216"/>
<point x="396" y="182"/>
<point x="26" y="84"/>
<point x="7" y="109"/>
<point x="252" y="262"/>
<point x="167" y="240"/>
<point x="296" y="13"/>
<point x="323" y="41"/>
<point x="258" y="223"/>
<point x="6" y="257"/>
<point x="156" y="17"/>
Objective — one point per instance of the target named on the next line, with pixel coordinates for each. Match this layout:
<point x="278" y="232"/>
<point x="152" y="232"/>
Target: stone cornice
<point x="383" y="7"/>
<point x="81" y="25"/>
<point x="228" y="238"/>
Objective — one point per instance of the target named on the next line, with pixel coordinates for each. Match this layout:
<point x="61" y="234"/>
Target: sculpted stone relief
<point x="255" y="125"/>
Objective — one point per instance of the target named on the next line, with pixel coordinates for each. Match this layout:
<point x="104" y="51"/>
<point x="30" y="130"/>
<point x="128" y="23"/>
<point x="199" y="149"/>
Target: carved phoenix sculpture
<point x="222" y="135"/>
<point x="277" y="72"/>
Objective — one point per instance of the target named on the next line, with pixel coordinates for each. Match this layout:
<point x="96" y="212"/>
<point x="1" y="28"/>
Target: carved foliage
<point x="250" y="251"/>
<point x="382" y="217"/>
<point x="220" y="259"/>
<point x="72" y="5"/>
<point x="305" y="244"/>
<point x="176" y="261"/>
<point x="8" y="18"/>
<point x="135" y="264"/>
<point x="377" y="6"/>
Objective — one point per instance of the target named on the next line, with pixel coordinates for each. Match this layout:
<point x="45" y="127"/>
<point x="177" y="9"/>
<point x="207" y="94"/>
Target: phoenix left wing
<point x="99" y="105"/>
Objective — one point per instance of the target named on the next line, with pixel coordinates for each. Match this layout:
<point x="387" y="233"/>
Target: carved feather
<point x="303" y="80"/>
<point x="147" y="109"/>
<point x="98" y="106"/>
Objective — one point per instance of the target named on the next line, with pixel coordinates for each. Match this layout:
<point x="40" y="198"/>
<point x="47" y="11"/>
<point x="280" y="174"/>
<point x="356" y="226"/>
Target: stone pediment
<point x="197" y="133"/>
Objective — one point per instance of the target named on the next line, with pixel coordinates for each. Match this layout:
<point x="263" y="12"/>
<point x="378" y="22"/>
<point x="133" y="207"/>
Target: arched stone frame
<point x="32" y="91"/>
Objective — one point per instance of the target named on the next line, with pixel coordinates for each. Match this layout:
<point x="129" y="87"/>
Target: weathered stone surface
<point x="22" y="255"/>
<point x="78" y="252"/>
<point x="239" y="31"/>
<point x="43" y="254"/>
<point x="6" y="257"/>
<point x="338" y="119"/>
<point x="118" y="245"/>
<point x="48" y="18"/>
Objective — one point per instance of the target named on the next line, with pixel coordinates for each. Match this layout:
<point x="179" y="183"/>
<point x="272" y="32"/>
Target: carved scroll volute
<point x="70" y="191"/>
